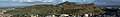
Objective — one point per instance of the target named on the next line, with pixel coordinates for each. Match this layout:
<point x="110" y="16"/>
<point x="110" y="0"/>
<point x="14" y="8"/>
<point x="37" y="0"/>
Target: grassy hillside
<point x="63" y="8"/>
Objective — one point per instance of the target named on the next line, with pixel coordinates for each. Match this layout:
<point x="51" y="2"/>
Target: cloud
<point x="107" y="2"/>
<point x="28" y="0"/>
<point x="64" y="0"/>
<point x="116" y="0"/>
<point x="47" y="1"/>
<point x="34" y="0"/>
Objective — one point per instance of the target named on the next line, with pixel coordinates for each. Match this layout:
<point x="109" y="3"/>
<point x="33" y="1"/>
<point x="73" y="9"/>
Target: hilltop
<point x="62" y="8"/>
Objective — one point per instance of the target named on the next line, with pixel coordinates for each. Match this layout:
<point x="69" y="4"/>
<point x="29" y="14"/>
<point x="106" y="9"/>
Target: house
<point x="64" y="15"/>
<point x="51" y="16"/>
<point x="34" y="15"/>
<point x="5" y="15"/>
<point x="86" y="15"/>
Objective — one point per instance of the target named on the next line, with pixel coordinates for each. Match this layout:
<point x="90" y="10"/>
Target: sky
<point x="7" y="3"/>
<point x="107" y="2"/>
<point x="49" y="0"/>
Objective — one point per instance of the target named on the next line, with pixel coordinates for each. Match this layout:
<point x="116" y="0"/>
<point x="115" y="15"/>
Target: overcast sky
<point x="97" y="2"/>
<point x="108" y="2"/>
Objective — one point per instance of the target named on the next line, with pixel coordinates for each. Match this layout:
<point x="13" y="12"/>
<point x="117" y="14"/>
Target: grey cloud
<point x="107" y="2"/>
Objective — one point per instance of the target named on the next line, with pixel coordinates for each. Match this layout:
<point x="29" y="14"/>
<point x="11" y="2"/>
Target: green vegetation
<point x="63" y="8"/>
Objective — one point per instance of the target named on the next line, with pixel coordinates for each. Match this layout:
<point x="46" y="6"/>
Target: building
<point x="5" y="10"/>
<point x="5" y="15"/>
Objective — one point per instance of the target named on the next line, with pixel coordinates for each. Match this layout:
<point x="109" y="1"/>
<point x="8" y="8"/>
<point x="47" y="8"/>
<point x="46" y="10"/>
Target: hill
<point x="62" y="8"/>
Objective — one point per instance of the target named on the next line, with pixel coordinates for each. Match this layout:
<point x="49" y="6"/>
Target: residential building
<point x="5" y="15"/>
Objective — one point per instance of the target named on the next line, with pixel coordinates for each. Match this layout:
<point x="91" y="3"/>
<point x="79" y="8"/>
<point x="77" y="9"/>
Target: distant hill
<point x="62" y="8"/>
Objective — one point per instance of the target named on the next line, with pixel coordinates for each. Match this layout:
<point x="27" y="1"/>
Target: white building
<point x="5" y="15"/>
<point x="5" y="10"/>
<point x="86" y="15"/>
<point x="118" y="8"/>
<point x="63" y="15"/>
<point x="51" y="16"/>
